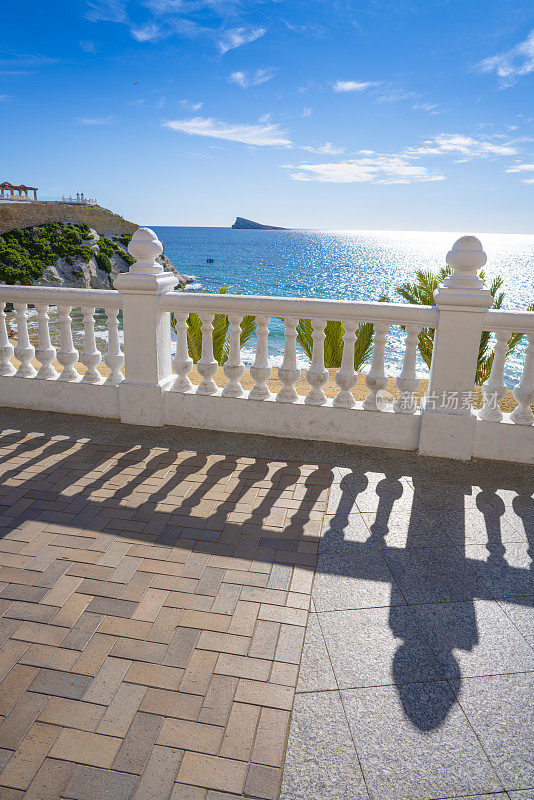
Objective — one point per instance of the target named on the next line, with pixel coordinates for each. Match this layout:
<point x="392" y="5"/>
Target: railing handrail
<point x="300" y="307"/>
<point x="50" y="295"/>
<point x="497" y="319"/>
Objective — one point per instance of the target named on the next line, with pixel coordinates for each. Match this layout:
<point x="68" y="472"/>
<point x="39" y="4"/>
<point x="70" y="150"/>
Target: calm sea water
<point x="345" y="265"/>
<point x="341" y="265"/>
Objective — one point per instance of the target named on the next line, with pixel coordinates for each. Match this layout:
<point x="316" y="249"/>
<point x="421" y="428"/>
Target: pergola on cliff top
<point x="16" y="192"/>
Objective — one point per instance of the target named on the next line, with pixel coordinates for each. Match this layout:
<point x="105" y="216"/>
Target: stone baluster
<point x="207" y="366"/>
<point x="234" y="369"/>
<point x="114" y="358"/>
<point x="90" y="355"/>
<point x="24" y="350"/>
<point x="288" y="372"/>
<point x="45" y="353"/>
<point x="317" y="375"/>
<point x="67" y="355"/>
<point x="495" y="389"/>
<point x="6" y="348"/>
<point x="408" y="382"/>
<point x="524" y="391"/>
<point x="376" y="379"/>
<point x="260" y="370"/>
<point x="346" y="376"/>
<point x="182" y="363"/>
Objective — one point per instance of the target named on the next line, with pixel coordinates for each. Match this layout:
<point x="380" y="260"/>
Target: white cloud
<point x="306" y="111"/>
<point x="191" y="106"/>
<point x="326" y="149"/>
<point x="512" y="64"/>
<point x="107" y="11"/>
<point x="236" y="37"/>
<point x="260" y="135"/>
<point x="150" y="32"/>
<point x="521" y="168"/>
<point x="379" y="168"/>
<point x="256" y="78"/>
<point x="467" y="146"/>
<point x="109" y="120"/>
<point x="88" y="47"/>
<point x="353" y="86"/>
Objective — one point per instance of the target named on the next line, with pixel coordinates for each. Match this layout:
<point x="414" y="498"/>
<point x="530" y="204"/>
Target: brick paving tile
<point x="49" y="780"/>
<point x="60" y="684"/>
<point x="88" y="783"/>
<point x="71" y="713"/>
<point x="21" y="768"/>
<point x="122" y="709"/>
<point x="213" y="772"/>
<point x="84" y="747"/>
<point x="154" y="605"/>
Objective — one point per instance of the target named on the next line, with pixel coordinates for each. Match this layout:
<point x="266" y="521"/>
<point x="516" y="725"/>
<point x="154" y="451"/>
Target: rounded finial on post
<point x="466" y="257"/>
<point x="145" y="247"/>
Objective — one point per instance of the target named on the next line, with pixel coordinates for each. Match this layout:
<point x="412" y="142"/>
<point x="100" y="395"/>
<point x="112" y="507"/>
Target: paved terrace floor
<point x="185" y="612"/>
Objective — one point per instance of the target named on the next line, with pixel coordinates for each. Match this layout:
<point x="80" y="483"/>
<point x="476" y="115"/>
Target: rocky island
<point x="247" y="224"/>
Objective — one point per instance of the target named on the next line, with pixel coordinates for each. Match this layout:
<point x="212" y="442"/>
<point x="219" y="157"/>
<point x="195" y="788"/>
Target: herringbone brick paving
<point x="153" y="609"/>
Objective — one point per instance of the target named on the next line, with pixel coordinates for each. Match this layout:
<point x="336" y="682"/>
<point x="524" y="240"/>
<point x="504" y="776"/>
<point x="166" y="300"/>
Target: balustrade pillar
<point x="234" y="369"/>
<point x="346" y="376"/>
<point x="207" y="366"/>
<point x="448" y="423"/>
<point x="288" y="372"/>
<point x="45" y="352"/>
<point x="317" y="375"/>
<point x="408" y="382"/>
<point x="90" y="356"/>
<point x="114" y="356"/>
<point x="147" y="332"/>
<point x="6" y="348"/>
<point x="376" y="379"/>
<point x="260" y="370"/>
<point x="495" y="389"/>
<point x="182" y="363"/>
<point x="67" y="355"/>
<point x="524" y="391"/>
<point x="24" y="350"/>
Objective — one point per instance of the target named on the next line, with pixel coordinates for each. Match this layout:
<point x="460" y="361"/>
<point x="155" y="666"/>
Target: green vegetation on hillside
<point x="25" y="253"/>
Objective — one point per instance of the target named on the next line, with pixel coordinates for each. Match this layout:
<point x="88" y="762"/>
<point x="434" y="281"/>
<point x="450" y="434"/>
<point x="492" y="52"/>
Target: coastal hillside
<point x="67" y="254"/>
<point x="23" y="215"/>
<point x="248" y="224"/>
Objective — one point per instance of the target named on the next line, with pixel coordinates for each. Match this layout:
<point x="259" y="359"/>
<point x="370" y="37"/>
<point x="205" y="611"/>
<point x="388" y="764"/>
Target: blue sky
<point x="384" y="114"/>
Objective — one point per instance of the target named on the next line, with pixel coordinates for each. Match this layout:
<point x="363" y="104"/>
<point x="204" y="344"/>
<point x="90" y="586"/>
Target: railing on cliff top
<point x="156" y="389"/>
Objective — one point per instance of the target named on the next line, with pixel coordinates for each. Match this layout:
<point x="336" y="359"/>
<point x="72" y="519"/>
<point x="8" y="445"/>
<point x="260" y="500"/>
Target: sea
<point x="345" y="265"/>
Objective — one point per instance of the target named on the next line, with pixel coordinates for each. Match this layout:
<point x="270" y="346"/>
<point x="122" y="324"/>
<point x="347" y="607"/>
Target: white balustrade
<point x="260" y="370"/>
<point x="6" y="348"/>
<point x="346" y="376"/>
<point x="182" y="364"/>
<point x="90" y="355"/>
<point x="288" y="371"/>
<point x="207" y="366"/>
<point x="494" y="389"/>
<point x="376" y="379"/>
<point x="524" y="391"/>
<point x="408" y="382"/>
<point x="234" y="369"/>
<point x="24" y="351"/>
<point x="45" y="353"/>
<point x="317" y="375"/>
<point x="67" y="355"/>
<point x="114" y="356"/>
<point x="150" y="395"/>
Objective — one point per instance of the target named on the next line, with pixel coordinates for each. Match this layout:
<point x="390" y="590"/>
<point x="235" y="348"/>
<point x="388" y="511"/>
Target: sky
<point x="338" y="114"/>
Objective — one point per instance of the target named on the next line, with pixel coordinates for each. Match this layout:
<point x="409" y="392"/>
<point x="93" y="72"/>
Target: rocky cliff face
<point x="248" y="224"/>
<point x="25" y="214"/>
<point x="87" y="274"/>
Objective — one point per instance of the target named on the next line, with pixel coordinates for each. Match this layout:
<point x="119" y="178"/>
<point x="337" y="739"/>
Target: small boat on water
<point x="209" y="261"/>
